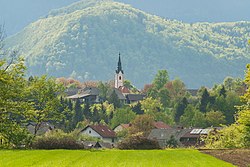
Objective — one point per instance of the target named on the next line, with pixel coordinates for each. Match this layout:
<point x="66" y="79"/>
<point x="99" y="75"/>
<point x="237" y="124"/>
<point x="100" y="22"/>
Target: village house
<point x="87" y="95"/>
<point x="43" y="128"/>
<point x="184" y="136"/>
<point x="157" y="125"/>
<point x="102" y="132"/>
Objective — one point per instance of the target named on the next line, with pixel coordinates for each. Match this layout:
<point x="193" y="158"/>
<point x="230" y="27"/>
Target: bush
<point x="57" y="139"/>
<point x="138" y="142"/>
<point x="172" y="142"/>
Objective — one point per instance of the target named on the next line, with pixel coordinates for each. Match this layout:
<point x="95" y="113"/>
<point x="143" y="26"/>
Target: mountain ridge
<point x="82" y="37"/>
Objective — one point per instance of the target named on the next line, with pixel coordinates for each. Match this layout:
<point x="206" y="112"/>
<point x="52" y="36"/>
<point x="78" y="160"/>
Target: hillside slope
<point x="83" y="40"/>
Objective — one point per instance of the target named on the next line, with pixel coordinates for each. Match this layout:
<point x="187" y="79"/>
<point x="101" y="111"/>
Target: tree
<point x="151" y="106"/>
<point x="222" y="91"/>
<point x="243" y="118"/>
<point x="142" y="124"/>
<point x="109" y="110"/>
<point x="228" y="83"/>
<point x="192" y="117"/>
<point x="164" y="97"/>
<point x="205" y="99"/>
<point x="113" y="99"/>
<point x="237" y="135"/>
<point x="15" y="110"/>
<point x="96" y="110"/>
<point x="176" y="89"/>
<point x="215" y="118"/>
<point x="78" y="113"/>
<point x="43" y="93"/>
<point x="136" y="108"/>
<point x="160" y="79"/>
<point x="179" y="109"/>
<point x="122" y="116"/>
<point x="104" y="88"/>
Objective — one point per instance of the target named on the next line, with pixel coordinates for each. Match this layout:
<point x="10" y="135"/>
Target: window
<point x="113" y="140"/>
<point x="90" y="132"/>
<point x="120" y="78"/>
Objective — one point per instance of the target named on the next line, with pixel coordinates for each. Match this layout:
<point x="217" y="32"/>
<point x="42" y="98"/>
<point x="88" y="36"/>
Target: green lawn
<point x="70" y="158"/>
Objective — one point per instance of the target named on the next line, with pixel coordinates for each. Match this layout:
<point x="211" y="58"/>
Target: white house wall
<point x="93" y="133"/>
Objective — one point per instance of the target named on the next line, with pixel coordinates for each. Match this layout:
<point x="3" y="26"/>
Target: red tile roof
<point x="124" y="89"/>
<point x="102" y="130"/>
<point x="161" y="125"/>
<point x="126" y="126"/>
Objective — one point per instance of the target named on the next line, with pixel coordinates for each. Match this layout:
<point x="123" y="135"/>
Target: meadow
<point x="108" y="158"/>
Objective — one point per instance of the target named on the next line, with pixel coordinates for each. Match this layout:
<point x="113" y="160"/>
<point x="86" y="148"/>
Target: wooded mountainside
<point x="83" y="41"/>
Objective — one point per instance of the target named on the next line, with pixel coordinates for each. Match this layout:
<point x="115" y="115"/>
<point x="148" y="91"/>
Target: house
<point x="194" y="137"/>
<point x="133" y="98"/>
<point x="44" y="127"/>
<point x="119" y="94"/>
<point x="122" y="127"/>
<point x="185" y="136"/>
<point x="161" y="125"/>
<point x="88" y="95"/>
<point x="157" y="125"/>
<point x="102" y="132"/>
<point x="162" y="136"/>
<point x="71" y="91"/>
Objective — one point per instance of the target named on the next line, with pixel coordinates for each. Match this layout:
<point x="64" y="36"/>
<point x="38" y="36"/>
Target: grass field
<point x="108" y="158"/>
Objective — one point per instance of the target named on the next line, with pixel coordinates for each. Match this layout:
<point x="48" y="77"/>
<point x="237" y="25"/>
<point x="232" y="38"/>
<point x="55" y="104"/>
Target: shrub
<point x="172" y="142"/>
<point x="57" y="139"/>
<point x="138" y="142"/>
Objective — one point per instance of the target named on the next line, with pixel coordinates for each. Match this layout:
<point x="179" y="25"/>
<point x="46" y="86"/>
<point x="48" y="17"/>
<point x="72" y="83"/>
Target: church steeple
<point x="119" y="66"/>
<point x="119" y="78"/>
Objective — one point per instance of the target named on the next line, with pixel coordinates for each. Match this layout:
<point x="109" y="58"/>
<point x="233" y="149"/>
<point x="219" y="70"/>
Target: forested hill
<point x="83" y="40"/>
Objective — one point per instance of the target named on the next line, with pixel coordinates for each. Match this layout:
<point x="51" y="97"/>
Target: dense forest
<point x="84" y="38"/>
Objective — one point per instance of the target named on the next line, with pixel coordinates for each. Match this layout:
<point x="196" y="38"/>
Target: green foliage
<point x="43" y="92"/>
<point x="122" y="116"/>
<point x="193" y="117"/>
<point x="104" y="89"/>
<point x="236" y="135"/>
<point x="78" y="113"/>
<point x="56" y="139"/>
<point x="215" y="118"/>
<point x="151" y="106"/>
<point x="138" y="142"/>
<point x="172" y="142"/>
<point x="160" y="79"/>
<point x="113" y="99"/>
<point x="229" y="137"/>
<point x="179" y="109"/>
<point x="141" y="124"/>
<point x="14" y="109"/>
<point x="205" y="99"/>
<point x="79" y="40"/>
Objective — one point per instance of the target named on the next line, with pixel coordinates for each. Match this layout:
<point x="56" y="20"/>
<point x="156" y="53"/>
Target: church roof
<point x="119" y="65"/>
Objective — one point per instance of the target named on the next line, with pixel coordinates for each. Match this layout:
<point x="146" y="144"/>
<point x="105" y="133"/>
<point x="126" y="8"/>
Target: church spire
<point x="119" y="66"/>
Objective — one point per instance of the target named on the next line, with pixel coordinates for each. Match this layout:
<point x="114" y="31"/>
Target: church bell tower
<point x="119" y="78"/>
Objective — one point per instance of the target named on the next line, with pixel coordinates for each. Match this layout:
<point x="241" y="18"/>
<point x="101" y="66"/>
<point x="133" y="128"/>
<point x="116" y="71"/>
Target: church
<point x="91" y="94"/>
